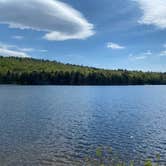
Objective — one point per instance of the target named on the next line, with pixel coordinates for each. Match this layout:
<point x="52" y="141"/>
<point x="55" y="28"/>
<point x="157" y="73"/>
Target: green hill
<point x="29" y="71"/>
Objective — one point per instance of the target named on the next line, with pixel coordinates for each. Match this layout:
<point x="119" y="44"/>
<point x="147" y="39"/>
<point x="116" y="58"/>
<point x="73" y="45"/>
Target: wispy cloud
<point x="18" y="37"/>
<point x="154" y="12"/>
<point x="57" y="19"/>
<point x="140" y="56"/>
<point x="26" y="49"/>
<point x="32" y="50"/>
<point x="10" y="50"/>
<point x="43" y="50"/>
<point x="14" y="47"/>
<point x="13" y="50"/>
<point x="149" y="52"/>
<point x="162" y="53"/>
<point x="115" y="46"/>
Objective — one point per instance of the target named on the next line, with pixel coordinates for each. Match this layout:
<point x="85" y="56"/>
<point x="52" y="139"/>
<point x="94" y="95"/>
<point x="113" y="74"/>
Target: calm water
<point x="52" y="125"/>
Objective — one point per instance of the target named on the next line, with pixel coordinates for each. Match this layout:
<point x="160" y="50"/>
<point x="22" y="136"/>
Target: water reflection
<point x="48" y="125"/>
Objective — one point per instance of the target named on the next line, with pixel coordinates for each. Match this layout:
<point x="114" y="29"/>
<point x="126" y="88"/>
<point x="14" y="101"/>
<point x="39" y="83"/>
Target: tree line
<point x="26" y="71"/>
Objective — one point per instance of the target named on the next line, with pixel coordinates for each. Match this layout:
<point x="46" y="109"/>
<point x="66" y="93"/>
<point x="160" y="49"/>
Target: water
<point x="56" y="125"/>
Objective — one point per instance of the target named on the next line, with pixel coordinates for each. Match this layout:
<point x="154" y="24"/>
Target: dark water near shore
<point x="53" y="125"/>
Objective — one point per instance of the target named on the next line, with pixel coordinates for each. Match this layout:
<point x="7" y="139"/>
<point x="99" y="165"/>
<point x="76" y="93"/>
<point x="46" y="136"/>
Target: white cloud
<point x="43" y="50"/>
<point x="26" y="49"/>
<point x="12" y="50"/>
<point x="115" y="46"/>
<point x="18" y="37"/>
<point x="57" y="19"/>
<point x="30" y="49"/>
<point x="16" y="48"/>
<point x="162" y="53"/>
<point x="6" y="46"/>
<point x="6" y="51"/>
<point x="140" y="56"/>
<point x="149" y="52"/>
<point x="154" y="12"/>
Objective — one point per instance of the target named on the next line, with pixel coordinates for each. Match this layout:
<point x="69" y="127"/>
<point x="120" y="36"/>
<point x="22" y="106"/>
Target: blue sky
<point x="112" y="34"/>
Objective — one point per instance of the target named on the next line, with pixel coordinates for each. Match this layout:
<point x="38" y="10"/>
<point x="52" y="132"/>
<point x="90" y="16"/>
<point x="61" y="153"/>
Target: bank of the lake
<point x="27" y="71"/>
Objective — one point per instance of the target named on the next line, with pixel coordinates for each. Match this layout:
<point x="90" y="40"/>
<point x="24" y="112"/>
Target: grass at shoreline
<point x="106" y="157"/>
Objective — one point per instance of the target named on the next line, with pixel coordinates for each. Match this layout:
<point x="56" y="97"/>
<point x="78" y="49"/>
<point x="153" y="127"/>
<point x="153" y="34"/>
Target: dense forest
<point x="28" y="71"/>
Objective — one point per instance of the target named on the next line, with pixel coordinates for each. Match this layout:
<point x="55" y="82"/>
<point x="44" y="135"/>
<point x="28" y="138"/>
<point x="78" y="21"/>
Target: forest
<point x="29" y="71"/>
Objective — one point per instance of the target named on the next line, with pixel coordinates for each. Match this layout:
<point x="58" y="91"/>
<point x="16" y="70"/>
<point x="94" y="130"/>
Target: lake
<point x="62" y="125"/>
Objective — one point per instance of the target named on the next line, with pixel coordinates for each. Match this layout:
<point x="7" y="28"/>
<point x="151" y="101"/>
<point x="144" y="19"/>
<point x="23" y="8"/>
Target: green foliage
<point x="105" y="157"/>
<point x="99" y="152"/>
<point x="27" y="71"/>
<point x="158" y="156"/>
<point x="148" y="163"/>
<point x="131" y="163"/>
